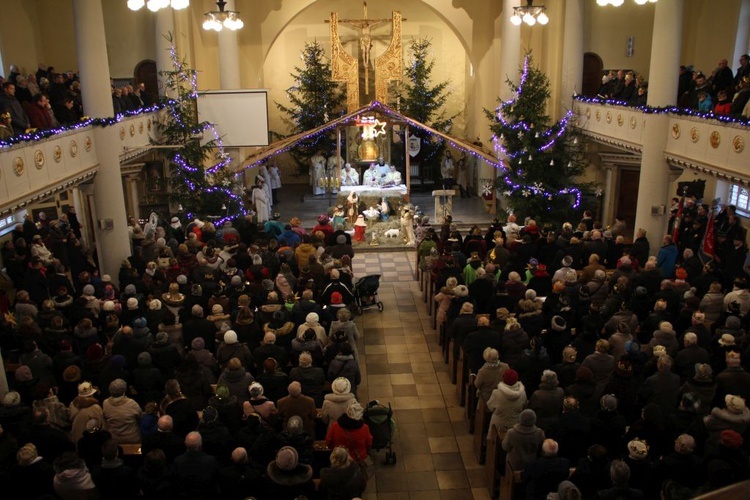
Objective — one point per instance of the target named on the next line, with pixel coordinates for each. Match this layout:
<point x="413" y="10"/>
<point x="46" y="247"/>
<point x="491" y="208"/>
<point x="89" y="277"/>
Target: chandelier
<point x="219" y="19"/>
<point x="154" y="5"/>
<point x="617" y="3"/>
<point x="530" y="14"/>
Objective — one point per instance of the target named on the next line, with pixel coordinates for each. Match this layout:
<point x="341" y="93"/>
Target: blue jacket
<point x="666" y="260"/>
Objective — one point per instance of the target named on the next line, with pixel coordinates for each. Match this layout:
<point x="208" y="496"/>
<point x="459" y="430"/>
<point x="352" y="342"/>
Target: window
<point x="740" y="197"/>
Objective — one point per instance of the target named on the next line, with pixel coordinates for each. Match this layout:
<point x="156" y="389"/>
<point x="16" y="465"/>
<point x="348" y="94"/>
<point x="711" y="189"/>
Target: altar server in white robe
<point x="349" y="176"/>
<point x="260" y="200"/>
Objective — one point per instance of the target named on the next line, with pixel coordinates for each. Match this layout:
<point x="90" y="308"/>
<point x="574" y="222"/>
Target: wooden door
<point x="145" y="71"/>
<point x="627" y="193"/>
<point x="592" y="74"/>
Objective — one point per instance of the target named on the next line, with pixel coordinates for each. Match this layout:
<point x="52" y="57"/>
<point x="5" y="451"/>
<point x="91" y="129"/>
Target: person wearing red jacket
<point x="351" y="432"/>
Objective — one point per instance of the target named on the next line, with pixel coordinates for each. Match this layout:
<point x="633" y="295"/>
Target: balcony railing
<point x="34" y="166"/>
<point x="713" y="144"/>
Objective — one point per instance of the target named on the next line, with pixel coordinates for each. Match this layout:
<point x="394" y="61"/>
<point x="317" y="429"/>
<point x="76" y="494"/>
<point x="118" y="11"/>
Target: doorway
<point x="592" y="74"/>
<point x="145" y="72"/>
<point x="627" y="193"/>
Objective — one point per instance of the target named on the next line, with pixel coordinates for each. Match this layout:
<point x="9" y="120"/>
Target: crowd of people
<point x="626" y="363"/>
<point x="48" y="98"/>
<point x="221" y="354"/>
<point x="722" y="93"/>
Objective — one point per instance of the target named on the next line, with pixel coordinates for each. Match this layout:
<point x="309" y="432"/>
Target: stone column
<point x="607" y="196"/>
<point x="743" y="35"/>
<point x="510" y="49"/>
<point x="112" y="242"/>
<point x="653" y="187"/>
<point x="164" y="26"/>
<point x="134" y="195"/>
<point x="229" y="56"/>
<point x="572" y="63"/>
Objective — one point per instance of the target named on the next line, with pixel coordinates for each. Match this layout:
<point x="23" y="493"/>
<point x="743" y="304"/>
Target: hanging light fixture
<point x="530" y="14"/>
<point x="155" y="5"/>
<point x="617" y="3"/>
<point x="219" y="19"/>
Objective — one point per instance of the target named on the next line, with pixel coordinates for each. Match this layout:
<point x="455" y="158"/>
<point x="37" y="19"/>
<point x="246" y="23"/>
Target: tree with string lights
<point x="542" y="159"/>
<point x="417" y="98"/>
<point x="314" y="100"/>
<point x="201" y="181"/>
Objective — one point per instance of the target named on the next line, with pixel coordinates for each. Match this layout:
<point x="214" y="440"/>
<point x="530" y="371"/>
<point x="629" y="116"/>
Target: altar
<point x="371" y="196"/>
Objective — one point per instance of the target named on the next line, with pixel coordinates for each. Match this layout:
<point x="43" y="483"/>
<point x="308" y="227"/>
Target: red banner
<point x="708" y="238"/>
<point x="677" y="221"/>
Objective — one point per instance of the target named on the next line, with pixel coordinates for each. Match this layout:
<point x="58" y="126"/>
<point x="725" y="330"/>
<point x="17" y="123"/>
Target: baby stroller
<point x="382" y="426"/>
<point x="366" y="293"/>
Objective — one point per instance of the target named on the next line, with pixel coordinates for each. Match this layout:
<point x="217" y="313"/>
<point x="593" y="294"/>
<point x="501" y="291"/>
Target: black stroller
<point x="379" y="419"/>
<point x="366" y="293"/>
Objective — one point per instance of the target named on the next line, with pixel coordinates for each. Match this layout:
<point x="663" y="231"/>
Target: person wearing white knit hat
<point x="336" y="403"/>
<point x="351" y="431"/>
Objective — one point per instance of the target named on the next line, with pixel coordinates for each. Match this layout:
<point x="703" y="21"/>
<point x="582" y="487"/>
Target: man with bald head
<point x="544" y="474"/>
<point x="240" y="479"/>
<point x="196" y="472"/>
<point x="165" y="439"/>
<point x="722" y="79"/>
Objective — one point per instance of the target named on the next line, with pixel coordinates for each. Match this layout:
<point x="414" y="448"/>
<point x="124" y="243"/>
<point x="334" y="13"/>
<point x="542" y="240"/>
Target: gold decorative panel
<point x="344" y="67"/>
<point x="390" y="64"/>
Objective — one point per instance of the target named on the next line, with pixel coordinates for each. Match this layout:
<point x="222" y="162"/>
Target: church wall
<point x="130" y="37"/>
<point x="607" y="30"/>
<point x="44" y="31"/>
<point x="57" y="34"/>
<point x="709" y="33"/>
<point x="21" y="42"/>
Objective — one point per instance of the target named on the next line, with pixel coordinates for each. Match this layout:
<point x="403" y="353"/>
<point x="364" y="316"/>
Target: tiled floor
<point x="402" y="364"/>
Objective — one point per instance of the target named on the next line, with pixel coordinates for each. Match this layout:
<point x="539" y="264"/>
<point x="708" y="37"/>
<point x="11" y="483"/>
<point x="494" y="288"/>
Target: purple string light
<point x="95" y="122"/>
<point x="668" y="110"/>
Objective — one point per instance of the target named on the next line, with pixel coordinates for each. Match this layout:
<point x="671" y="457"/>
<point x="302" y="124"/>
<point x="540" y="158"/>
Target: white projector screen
<point x="240" y="116"/>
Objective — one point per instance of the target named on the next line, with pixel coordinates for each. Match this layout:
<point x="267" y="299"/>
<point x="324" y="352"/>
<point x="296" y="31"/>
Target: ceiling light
<point x="217" y="20"/>
<point x="530" y="14"/>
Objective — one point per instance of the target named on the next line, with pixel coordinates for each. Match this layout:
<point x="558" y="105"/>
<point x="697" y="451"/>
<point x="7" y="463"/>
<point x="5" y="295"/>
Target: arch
<point x="592" y="74"/>
<point x="439" y="14"/>
<point x="145" y="72"/>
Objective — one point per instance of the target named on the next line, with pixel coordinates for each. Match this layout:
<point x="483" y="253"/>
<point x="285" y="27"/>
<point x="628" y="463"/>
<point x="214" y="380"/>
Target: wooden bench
<point x="471" y="403"/>
<point x="482" y="419"/>
<point x="462" y="376"/>
<point x="131" y="450"/>
<point x="495" y="459"/>
<point x="513" y="486"/>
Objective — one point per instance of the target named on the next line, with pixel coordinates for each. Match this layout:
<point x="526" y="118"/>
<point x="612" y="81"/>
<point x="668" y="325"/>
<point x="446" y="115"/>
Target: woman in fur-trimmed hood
<point x="507" y="401"/>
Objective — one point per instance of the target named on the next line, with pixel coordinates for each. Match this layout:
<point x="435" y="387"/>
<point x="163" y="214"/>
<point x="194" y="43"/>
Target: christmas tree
<point x="542" y="159"/>
<point x="417" y="98"/>
<point x="315" y="99"/>
<point x="201" y="181"/>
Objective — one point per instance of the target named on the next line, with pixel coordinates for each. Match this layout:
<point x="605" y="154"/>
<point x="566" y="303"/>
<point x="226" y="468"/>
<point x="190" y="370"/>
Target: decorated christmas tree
<point x="542" y="159"/>
<point x="201" y="181"/>
<point x="314" y="100"/>
<point x="419" y="99"/>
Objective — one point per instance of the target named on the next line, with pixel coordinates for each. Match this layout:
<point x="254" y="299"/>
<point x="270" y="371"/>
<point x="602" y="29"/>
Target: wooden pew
<point x="482" y="419"/>
<point x="471" y="403"/>
<point x="512" y="484"/>
<point x="495" y="462"/>
<point x="462" y="376"/>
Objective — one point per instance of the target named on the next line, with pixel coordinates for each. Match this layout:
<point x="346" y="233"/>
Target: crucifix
<point x="365" y="41"/>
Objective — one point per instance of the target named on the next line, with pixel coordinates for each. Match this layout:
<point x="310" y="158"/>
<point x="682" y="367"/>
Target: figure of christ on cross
<point x="365" y="40"/>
